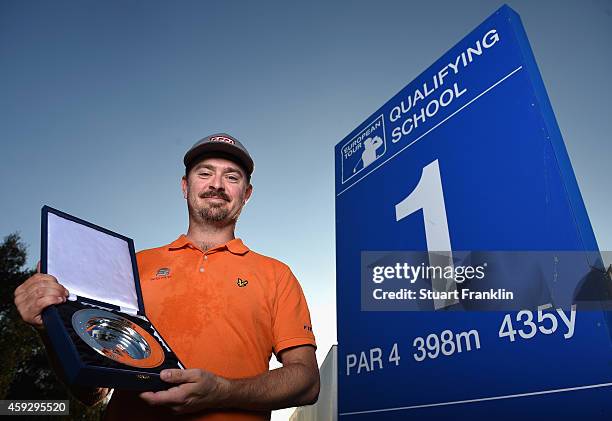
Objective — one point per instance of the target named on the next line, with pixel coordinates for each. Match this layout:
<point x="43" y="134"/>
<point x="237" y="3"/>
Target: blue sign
<point x="467" y="157"/>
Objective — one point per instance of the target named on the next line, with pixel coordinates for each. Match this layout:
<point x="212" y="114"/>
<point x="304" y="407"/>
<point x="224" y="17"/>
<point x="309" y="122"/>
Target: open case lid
<point x="91" y="261"/>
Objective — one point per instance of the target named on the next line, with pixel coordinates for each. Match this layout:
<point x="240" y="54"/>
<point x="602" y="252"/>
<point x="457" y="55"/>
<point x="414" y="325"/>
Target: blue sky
<point x="100" y="100"/>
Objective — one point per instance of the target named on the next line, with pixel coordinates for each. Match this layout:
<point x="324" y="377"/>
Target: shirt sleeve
<point x="291" y="319"/>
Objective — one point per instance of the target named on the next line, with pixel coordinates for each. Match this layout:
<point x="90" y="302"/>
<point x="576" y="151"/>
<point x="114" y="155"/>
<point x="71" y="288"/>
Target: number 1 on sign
<point x="428" y="195"/>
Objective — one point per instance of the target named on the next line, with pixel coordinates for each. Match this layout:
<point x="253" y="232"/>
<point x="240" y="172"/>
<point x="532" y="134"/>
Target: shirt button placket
<point x="204" y="259"/>
<point x="202" y="263"/>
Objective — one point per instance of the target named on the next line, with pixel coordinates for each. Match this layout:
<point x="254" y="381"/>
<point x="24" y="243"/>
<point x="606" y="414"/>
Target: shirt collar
<point x="235" y="246"/>
<point x="180" y="242"/>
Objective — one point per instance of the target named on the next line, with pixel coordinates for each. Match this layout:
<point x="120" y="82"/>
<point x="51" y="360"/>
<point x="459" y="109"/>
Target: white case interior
<point x="91" y="263"/>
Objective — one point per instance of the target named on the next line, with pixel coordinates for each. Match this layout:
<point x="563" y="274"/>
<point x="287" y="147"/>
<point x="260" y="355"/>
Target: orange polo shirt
<point x="225" y="310"/>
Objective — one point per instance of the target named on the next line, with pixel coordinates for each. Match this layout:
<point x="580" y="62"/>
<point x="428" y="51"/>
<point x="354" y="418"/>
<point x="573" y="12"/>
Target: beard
<point x="213" y="213"/>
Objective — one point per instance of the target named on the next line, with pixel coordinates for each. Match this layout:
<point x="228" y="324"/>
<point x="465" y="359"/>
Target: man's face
<point x="216" y="189"/>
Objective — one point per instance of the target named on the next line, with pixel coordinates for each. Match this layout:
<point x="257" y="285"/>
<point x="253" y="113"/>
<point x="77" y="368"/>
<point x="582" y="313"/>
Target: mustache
<point x="212" y="193"/>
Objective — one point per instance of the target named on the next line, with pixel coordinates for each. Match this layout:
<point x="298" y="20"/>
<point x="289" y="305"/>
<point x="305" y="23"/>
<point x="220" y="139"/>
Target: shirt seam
<point x="295" y="337"/>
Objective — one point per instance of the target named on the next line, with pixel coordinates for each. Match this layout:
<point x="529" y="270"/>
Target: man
<point x="222" y="307"/>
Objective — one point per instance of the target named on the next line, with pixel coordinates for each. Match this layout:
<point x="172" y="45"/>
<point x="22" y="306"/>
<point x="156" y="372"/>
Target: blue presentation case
<point x="473" y="135"/>
<point x="81" y="365"/>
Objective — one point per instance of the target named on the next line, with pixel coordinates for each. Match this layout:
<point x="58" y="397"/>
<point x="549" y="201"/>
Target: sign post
<point x="467" y="164"/>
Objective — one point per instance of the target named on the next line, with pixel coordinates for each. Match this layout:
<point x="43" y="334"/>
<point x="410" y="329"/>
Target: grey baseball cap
<point x="222" y="145"/>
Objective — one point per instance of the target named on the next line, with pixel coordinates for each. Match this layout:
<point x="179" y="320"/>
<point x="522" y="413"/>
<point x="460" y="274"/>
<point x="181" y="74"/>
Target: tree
<point x="25" y="372"/>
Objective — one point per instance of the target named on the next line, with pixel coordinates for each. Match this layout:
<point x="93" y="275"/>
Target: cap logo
<point x="222" y="139"/>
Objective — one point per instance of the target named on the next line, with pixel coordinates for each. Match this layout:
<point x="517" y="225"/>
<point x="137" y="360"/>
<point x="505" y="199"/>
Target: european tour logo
<point x="364" y="149"/>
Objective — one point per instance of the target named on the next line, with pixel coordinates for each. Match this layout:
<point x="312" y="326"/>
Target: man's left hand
<point x="196" y="390"/>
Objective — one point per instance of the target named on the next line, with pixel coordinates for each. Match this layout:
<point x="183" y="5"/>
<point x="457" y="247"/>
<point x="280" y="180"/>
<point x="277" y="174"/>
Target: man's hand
<point x="37" y="293"/>
<point x="197" y="390"/>
<point x="294" y="384"/>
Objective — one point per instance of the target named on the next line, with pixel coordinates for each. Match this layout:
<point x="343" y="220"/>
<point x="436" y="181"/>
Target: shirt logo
<point x="242" y="282"/>
<point x="162" y="273"/>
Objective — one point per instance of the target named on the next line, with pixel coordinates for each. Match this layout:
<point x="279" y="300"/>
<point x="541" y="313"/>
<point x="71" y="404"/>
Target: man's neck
<point x="207" y="236"/>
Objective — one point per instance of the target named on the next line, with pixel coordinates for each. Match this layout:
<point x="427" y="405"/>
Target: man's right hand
<point x="37" y="293"/>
